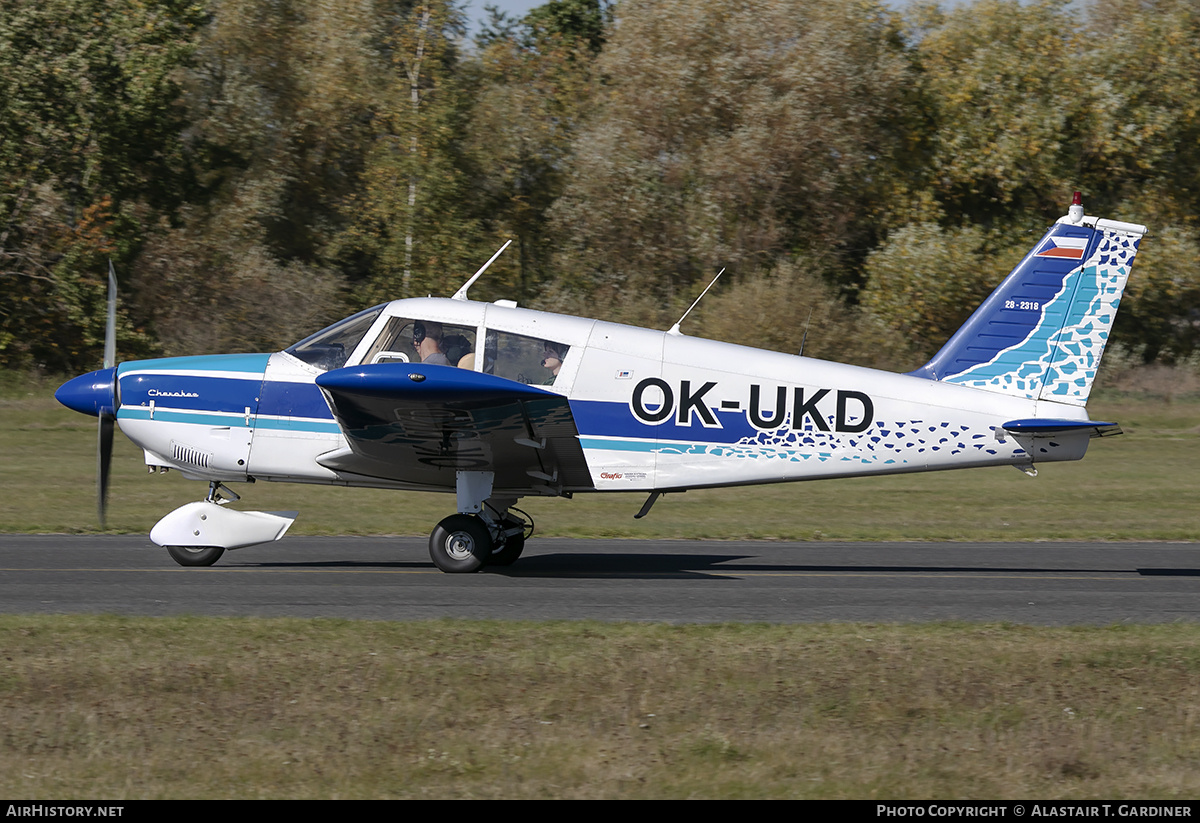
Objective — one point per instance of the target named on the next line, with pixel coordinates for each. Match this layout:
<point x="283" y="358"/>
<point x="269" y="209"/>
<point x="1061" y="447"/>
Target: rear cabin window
<point x="530" y="360"/>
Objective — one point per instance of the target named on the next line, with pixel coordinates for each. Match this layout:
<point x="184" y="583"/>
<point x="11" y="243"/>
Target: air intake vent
<point x="182" y="453"/>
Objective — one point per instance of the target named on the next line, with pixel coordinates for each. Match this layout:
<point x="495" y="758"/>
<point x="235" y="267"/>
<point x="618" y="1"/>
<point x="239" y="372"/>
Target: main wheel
<point x="460" y="544"/>
<point x="195" y="555"/>
<point x="508" y="553"/>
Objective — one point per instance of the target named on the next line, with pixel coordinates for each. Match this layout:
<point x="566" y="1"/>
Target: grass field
<point x="1139" y="486"/>
<point x="241" y="708"/>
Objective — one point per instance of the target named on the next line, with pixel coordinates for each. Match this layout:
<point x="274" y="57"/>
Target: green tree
<point x="925" y="281"/>
<point x="414" y="224"/>
<point x="279" y="125"/>
<point x="733" y="135"/>
<point x="581" y="23"/>
<point x="1141" y="155"/>
<point x="534" y="84"/>
<point x="89" y="155"/>
<point x="1009" y="99"/>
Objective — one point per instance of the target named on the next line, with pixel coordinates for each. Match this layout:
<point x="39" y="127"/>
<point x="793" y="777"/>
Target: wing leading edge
<point x="420" y="424"/>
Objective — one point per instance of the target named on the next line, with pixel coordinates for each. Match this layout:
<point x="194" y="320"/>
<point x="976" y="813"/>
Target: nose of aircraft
<point x="90" y="393"/>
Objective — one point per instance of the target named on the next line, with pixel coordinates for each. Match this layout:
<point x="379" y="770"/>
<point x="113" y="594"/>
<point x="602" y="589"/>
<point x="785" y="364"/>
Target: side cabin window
<point x="329" y="348"/>
<point x="409" y="340"/>
<point x="530" y="360"/>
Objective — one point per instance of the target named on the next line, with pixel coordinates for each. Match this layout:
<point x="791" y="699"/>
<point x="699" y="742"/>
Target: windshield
<point x="329" y="348"/>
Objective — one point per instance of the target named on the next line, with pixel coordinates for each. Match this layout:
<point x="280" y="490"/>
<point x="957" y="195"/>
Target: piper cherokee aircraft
<point x="495" y="403"/>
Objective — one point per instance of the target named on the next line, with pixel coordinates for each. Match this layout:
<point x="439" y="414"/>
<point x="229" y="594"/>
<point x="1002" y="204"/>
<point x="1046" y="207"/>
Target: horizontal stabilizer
<point x="1045" y="426"/>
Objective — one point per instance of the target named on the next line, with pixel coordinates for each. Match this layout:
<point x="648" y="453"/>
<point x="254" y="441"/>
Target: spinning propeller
<point x="108" y="415"/>
<point x="96" y="393"/>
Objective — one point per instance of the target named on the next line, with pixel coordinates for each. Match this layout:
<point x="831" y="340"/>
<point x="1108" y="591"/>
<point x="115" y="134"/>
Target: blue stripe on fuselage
<point x="293" y="400"/>
<point x="231" y="420"/>
<point x="220" y="397"/>
<point x="191" y="392"/>
<point x="600" y="418"/>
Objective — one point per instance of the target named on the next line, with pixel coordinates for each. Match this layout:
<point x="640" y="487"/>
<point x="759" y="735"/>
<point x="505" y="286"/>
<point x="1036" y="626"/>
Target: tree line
<point x="865" y="173"/>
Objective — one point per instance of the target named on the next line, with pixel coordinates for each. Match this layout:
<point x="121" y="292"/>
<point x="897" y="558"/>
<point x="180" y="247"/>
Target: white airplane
<point x="494" y="403"/>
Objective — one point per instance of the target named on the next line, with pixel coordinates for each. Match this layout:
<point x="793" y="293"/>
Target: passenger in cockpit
<point x="455" y="347"/>
<point x="552" y="358"/>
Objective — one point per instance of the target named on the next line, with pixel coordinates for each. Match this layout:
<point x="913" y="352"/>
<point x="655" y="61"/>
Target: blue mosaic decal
<point x="899" y="443"/>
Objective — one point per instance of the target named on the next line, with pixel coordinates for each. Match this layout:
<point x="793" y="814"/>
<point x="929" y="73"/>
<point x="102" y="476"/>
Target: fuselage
<point x="651" y="410"/>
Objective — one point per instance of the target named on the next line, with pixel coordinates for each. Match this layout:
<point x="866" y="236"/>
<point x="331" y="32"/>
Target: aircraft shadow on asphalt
<point x="642" y="565"/>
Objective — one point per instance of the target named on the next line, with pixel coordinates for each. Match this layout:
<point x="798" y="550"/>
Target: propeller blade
<point x="104" y="443"/>
<point x="104" y="447"/>
<point x="110" y="329"/>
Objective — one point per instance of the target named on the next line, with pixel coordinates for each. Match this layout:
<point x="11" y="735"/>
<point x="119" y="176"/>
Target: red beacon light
<point x="1075" y="213"/>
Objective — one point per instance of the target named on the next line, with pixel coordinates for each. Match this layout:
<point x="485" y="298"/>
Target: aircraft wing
<point x="419" y="423"/>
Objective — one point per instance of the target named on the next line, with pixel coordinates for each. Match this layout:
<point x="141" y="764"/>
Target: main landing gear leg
<point x="464" y="543"/>
<point x="483" y="532"/>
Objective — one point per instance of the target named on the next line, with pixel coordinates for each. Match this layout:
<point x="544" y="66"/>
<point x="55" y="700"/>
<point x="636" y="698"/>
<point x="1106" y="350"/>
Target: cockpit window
<point x="409" y="340"/>
<point x="329" y="348"/>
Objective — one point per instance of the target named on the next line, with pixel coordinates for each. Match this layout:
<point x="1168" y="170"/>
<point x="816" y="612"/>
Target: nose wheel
<point x="195" y="555"/>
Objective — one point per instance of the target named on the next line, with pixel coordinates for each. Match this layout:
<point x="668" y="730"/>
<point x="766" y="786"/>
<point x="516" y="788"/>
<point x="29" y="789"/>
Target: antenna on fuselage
<point x="675" y="329"/>
<point x="461" y="294"/>
<point x="804" y="339"/>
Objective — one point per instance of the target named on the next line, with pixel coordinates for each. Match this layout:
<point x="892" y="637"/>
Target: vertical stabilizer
<point x="1041" y="333"/>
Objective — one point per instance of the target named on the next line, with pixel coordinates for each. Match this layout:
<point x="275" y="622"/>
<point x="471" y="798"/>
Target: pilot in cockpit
<point x="427" y="339"/>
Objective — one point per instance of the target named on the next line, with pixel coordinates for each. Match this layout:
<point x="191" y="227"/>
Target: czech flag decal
<point x="1069" y="248"/>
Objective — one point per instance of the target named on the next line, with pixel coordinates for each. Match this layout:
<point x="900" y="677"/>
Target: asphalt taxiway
<point x="379" y="578"/>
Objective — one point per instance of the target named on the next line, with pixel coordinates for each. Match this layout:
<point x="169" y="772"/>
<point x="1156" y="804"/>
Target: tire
<point x="460" y="544"/>
<point x="195" y="555"/>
